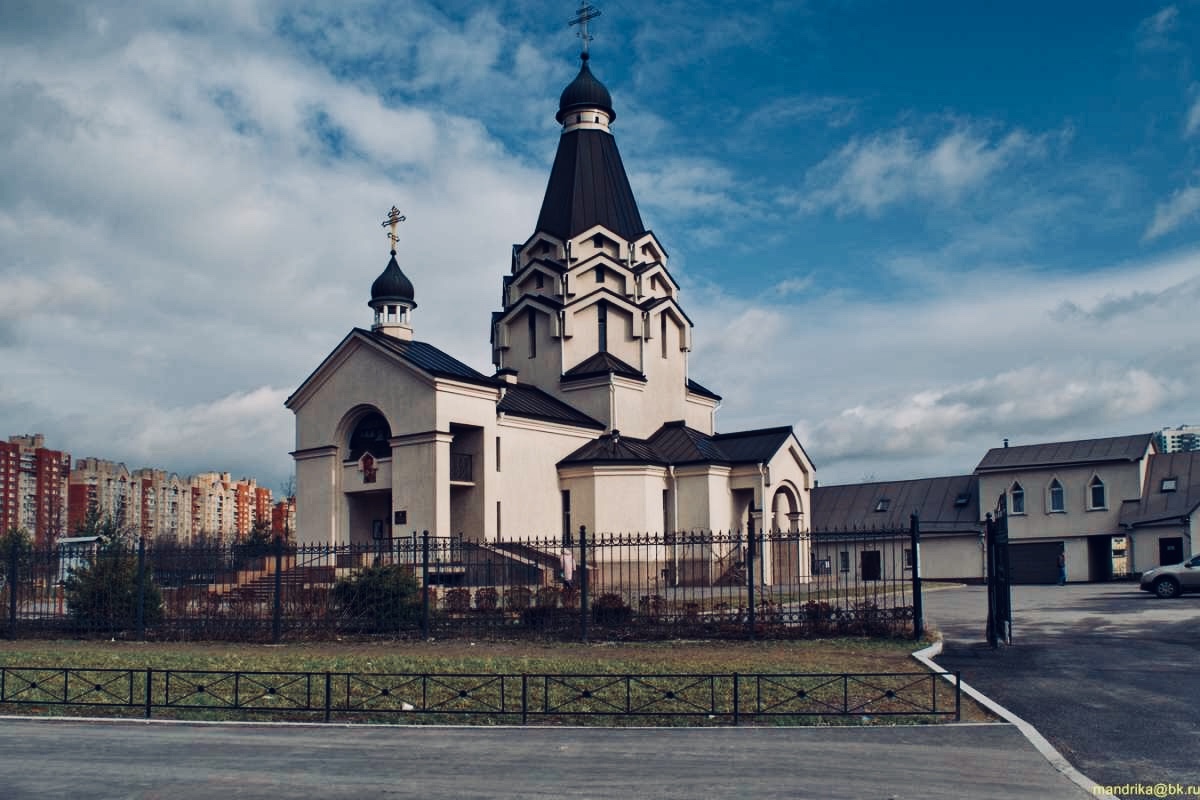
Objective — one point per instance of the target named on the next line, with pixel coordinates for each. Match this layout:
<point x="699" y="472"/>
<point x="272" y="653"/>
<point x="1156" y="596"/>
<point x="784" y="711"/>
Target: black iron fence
<point x="729" y="698"/>
<point x="607" y="586"/>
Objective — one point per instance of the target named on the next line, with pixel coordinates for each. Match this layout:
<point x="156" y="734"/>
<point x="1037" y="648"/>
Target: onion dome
<point x="392" y="286"/>
<point x="583" y="93"/>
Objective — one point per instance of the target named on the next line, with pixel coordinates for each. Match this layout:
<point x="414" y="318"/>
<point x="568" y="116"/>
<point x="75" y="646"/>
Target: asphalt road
<point x="104" y="759"/>
<point x="1108" y="674"/>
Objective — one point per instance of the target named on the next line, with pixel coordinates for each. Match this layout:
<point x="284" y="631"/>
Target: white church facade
<point x="590" y="418"/>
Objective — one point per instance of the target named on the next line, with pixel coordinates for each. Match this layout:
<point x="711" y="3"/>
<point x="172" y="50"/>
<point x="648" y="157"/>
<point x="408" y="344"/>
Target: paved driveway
<point x="1109" y="674"/>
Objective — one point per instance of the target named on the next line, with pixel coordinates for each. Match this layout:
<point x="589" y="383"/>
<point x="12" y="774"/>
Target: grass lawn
<point x="850" y="655"/>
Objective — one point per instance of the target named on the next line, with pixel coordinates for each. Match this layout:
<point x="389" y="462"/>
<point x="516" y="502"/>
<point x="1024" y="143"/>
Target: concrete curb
<point x="1056" y="759"/>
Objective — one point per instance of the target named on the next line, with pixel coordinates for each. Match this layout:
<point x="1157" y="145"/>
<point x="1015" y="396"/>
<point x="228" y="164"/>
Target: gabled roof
<point x="1156" y="505"/>
<point x="949" y="504"/>
<point x="1056" y="454"/>
<point x="602" y="364"/>
<point x="612" y="448"/>
<point x="426" y="357"/>
<point x="529" y="401"/>
<point x="752" y="446"/>
<point x="696" y="388"/>
<point x="676" y="443"/>
<point x="421" y="355"/>
<point x="679" y="444"/>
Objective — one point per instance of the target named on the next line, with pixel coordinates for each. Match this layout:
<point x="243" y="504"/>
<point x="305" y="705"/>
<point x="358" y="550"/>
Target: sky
<point x="909" y="230"/>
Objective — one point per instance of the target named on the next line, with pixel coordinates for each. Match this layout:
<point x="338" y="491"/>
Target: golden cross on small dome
<point x="394" y="218"/>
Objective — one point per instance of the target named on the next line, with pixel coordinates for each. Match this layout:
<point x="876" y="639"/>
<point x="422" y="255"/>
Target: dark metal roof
<point x="588" y="186"/>
<point x="676" y="443"/>
<point x="679" y="444"/>
<point x="602" y="364"/>
<point x="529" y="401"/>
<point x="392" y="285"/>
<point x="696" y="388"/>
<point x="1156" y="505"/>
<point x="752" y="446"/>
<point x="612" y="448"/>
<point x="1083" y="451"/>
<point x="428" y="358"/>
<point x="584" y="92"/>
<point x="837" y="509"/>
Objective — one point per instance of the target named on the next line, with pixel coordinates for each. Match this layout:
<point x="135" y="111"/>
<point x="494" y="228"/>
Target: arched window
<point x="1016" y="499"/>
<point x="371" y="435"/>
<point x="1096" y="495"/>
<point x="1056" y="497"/>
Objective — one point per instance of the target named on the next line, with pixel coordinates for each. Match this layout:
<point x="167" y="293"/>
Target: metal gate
<point x="999" y="576"/>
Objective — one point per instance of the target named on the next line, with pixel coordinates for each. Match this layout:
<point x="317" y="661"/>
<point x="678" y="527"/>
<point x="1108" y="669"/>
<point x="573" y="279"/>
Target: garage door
<point x="1034" y="562"/>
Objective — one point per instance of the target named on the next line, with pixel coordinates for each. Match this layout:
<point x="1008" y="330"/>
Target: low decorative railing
<point x="718" y="698"/>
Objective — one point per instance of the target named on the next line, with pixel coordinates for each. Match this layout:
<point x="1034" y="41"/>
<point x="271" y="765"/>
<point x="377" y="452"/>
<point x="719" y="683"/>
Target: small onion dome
<point x="392" y="286"/>
<point x="584" y="92"/>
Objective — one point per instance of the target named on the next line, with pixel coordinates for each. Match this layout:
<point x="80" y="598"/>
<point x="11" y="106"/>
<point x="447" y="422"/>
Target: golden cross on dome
<point x="586" y="12"/>
<point x="394" y="218"/>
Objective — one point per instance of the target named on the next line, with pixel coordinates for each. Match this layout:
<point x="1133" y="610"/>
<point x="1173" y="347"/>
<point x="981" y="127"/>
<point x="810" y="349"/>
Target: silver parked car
<point x="1173" y="580"/>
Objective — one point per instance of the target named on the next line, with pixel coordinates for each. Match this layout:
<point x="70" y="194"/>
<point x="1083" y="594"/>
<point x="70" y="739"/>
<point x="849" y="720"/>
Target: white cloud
<point x="1176" y="210"/>
<point x="1191" y="125"/>
<point x="927" y="387"/>
<point x="868" y="175"/>
<point x="1153" y="32"/>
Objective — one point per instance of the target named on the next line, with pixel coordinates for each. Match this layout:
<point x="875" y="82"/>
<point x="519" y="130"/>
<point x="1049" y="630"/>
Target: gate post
<point x="750" y="574"/>
<point x="914" y="532"/>
<point x="13" y="554"/>
<point x="999" y="617"/>
<point x="425" y="584"/>
<point x="583" y="584"/>
<point x="277" y="612"/>
<point x="141" y="589"/>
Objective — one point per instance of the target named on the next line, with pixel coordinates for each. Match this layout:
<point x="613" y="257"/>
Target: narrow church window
<point x="599" y="274"/>
<point x="602" y="325"/>
<point x="663" y="325"/>
<point x="539" y="280"/>
<point x="1057" y="496"/>
<point x="497" y="519"/>
<point x="531" y="319"/>
<point x="497" y="454"/>
<point x="1018" y="499"/>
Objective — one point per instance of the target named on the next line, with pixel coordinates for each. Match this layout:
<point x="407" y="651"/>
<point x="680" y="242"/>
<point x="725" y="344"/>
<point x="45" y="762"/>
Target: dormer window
<point x="962" y="499"/>
<point x="1168" y="485"/>
<point x="883" y="505"/>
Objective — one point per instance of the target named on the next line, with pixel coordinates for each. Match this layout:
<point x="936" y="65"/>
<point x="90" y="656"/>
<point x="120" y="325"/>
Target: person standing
<point x="1062" y="566"/>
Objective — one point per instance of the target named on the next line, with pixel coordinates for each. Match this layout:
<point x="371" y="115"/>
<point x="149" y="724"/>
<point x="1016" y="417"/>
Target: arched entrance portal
<point x="789" y="544"/>
<point x="366" y="477"/>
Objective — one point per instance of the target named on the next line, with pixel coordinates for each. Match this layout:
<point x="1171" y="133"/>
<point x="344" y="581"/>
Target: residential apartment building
<point x="1182" y="439"/>
<point x="33" y="487"/>
<point x="147" y="502"/>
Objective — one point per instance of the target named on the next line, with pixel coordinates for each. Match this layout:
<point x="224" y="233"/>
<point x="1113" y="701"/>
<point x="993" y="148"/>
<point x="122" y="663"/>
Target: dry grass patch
<point x="487" y="657"/>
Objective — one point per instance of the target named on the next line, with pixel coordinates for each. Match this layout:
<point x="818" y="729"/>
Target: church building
<point x="591" y="416"/>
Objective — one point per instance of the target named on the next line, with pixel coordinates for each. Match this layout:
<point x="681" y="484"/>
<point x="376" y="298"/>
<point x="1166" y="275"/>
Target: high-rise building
<point x="33" y="487"/>
<point x="1179" y="440"/>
